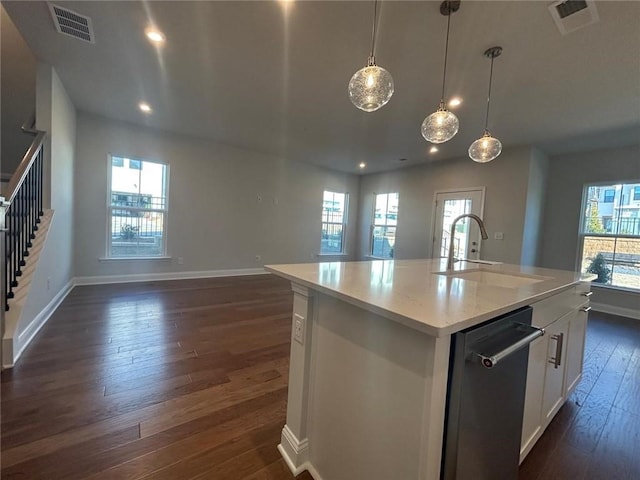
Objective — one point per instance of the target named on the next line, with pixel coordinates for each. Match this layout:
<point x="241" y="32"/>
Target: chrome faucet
<point x="483" y="232"/>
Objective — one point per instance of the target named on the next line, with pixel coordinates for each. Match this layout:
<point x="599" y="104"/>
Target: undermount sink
<point x="497" y="279"/>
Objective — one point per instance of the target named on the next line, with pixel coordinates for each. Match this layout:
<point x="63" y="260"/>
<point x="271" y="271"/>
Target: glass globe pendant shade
<point x="441" y="126"/>
<point x="485" y="149"/>
<point x="370" y="88"/>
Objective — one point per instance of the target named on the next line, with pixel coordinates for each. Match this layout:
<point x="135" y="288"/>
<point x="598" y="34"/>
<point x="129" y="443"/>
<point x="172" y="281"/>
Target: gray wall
<point x="56" y="115"/>
<point x="215" y="220"/>
<point x="18" y="93"/>
<point x="506" y="181"/>
<point x="567" y="176"/>
<point x="533" y="220"/>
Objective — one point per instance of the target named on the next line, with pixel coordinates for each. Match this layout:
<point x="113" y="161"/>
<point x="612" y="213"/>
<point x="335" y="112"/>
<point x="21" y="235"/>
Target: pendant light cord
<point x="373" y="32"/>
<point x="486" y="118"/>
<point x="446" y="51"/>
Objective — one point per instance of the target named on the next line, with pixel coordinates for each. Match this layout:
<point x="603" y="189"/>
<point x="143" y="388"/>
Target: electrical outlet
<point x="498" y="236"/>
<point x="259" y="198"/>
<point x="180" y="261"/>
<point x="258" y="258"/>
<point x="298" y="329"/>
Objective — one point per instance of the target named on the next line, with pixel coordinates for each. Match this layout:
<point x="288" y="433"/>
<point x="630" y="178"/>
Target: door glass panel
<point x="451" y="210"/>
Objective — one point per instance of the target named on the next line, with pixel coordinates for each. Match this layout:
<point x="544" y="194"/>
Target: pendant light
<point x="487" y="147"/>
<point x="442" y="125"/>
<point x="371" y="87"/>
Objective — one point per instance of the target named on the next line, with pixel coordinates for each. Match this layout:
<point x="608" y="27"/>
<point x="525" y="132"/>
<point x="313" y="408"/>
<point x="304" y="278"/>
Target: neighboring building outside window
<point x="334" y="222"/>
<point x="636" y="193"/>
<point x="610" y="234"/>
<point x="609" y="196"/>
<point x="137" y="208"/>
<point x="383" y="227"/>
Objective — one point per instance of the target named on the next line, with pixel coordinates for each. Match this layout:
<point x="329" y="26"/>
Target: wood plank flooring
<point x="596" y="434"/>
<point x="188" y="380"/>
<point x="175" y="380"/>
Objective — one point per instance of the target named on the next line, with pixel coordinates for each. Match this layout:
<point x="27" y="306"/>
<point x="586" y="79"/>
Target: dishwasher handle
<point x="490" y="361"/>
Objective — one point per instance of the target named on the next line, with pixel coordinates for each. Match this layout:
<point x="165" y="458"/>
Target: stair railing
<point x="25" y="197"/>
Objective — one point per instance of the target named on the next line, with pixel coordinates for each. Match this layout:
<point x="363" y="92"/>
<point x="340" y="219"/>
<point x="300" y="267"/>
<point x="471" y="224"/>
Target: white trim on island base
<point x="294" y="452"/>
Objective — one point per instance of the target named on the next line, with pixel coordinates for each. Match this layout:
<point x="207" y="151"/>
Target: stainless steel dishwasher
<point x="485" y="398"/>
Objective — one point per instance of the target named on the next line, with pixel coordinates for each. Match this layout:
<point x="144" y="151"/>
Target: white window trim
<point x="165" y="221"/>
<point x="345" y="220"/>
<point x="373" y="225"/>
<point x="582" y="235"/>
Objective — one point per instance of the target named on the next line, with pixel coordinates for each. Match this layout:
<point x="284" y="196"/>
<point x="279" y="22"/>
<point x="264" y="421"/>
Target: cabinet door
<point x="553" y="397"/>
<point x="532" y="417"/>
<point x="575" y="349"/>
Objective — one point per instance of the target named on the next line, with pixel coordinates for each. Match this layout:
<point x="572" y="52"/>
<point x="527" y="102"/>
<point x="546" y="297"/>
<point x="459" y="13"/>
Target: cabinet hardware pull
<point x="585" y="309"/>
<point x="587" y="294"/>
<point x="557" y="360"/>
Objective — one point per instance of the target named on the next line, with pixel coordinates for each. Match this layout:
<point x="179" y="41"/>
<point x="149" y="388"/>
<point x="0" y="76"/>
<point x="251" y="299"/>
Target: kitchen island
<point x="370" y="356"/>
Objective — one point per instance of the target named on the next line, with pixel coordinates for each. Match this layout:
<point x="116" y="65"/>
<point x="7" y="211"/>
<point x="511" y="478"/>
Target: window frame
<point x="581" y="228"/>
<point x="385" y="225"/>
<point x="109" y="208"/>
<point x="345" y="219"/>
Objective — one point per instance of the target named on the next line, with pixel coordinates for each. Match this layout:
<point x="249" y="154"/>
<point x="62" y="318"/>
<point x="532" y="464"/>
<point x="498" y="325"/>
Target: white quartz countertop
<point x="413" y="293"/>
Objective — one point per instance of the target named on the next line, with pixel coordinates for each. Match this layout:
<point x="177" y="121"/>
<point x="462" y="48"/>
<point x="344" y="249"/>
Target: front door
<point x="466" y="238"/>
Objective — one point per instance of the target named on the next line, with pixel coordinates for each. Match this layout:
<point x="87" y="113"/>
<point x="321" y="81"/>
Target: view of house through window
<point x="137" y="208"/>
<point x="385" y="219"/>
<point x="334" y="222"/>
<point x="610" y="234"/>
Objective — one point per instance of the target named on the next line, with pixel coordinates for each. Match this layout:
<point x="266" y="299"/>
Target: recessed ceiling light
<point x="145" y="107"/>
<point x="362" y="165"/>
<point x="455" y="101"/>
<point x="433" y="149"/>
<point x="156" y="36"/>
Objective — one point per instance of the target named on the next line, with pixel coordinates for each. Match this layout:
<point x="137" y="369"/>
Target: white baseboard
<point x="25" y="337"/>
<point x="148" y="277"/>
<point x="295" y="452"/>
<point x="614" y="310"/>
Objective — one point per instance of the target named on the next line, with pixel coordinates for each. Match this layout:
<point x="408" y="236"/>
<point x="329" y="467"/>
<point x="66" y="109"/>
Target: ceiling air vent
<point x="570" y="15"/>
<point x="71" y="23"/>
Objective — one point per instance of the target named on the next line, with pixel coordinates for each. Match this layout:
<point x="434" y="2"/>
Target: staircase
<point x="24" y="224"/>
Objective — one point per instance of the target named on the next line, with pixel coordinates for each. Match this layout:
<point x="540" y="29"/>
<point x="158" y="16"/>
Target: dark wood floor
<point x="596" y="434"/>
<point x="188" y="380"/>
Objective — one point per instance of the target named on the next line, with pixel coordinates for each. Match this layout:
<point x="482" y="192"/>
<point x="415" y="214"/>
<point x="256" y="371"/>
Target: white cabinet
<point x="531" y="420"/>
<point x="555" y="360"/>
<point x="575" y="349"/>
<point x="553" y="395"/>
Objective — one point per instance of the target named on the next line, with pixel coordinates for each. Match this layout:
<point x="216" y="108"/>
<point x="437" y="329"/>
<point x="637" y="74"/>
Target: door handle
<point x="557" y="360"/>
<point x="490" y="361"/>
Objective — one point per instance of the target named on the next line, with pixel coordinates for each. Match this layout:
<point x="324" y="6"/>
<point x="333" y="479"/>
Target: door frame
<point x="480" y="189"/>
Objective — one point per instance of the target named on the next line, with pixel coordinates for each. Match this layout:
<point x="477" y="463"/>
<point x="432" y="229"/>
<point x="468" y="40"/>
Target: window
<point x="383" y="229"/>
<point x="610" y="235"/>
<point x="334" y="222"/>
<point x="609" y="195"/>
<point x="636" y="193"/>
<point x="137" y="208"/>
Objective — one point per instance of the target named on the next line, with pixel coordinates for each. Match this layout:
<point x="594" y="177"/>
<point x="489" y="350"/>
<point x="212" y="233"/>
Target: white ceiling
<point x="274" y="79"/>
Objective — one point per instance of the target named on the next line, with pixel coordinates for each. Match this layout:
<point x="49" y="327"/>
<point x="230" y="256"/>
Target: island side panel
<point x="376" y="401"/>
<point x="294" y="444"/>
